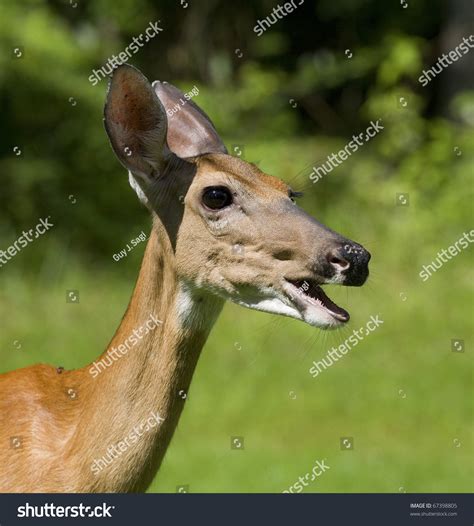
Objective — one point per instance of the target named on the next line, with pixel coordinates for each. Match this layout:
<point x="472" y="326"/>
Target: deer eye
<point x="216" y="197"/>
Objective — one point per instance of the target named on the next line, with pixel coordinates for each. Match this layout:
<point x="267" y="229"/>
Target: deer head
<point x="235" y="231"/>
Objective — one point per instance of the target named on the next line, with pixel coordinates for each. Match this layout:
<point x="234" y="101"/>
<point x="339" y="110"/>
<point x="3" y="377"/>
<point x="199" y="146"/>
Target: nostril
<point x="338" y="262"/>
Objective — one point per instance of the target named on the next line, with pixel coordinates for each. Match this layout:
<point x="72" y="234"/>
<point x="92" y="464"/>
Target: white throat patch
<point x="196" y="311"/>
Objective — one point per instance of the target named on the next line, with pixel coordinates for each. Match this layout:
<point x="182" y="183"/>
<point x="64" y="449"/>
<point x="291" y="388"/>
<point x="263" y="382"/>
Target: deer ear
<point x="136" y="123"/>
<point x="190" y="130"/>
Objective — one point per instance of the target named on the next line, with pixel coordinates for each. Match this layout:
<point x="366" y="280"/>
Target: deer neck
<point x="138" y="398"/>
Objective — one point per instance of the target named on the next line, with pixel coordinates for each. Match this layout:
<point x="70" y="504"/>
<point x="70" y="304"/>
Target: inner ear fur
<point x="136" y="122"/>
<point x="190" y="131"/>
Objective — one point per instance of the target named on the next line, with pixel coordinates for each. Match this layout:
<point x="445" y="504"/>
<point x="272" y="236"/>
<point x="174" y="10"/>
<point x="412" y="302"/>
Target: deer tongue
<point x="315" y="293"/>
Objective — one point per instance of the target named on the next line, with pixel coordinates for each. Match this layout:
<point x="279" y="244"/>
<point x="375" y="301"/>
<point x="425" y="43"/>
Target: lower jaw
<point x="314" y="312"/>
<point x="322" y="320"/>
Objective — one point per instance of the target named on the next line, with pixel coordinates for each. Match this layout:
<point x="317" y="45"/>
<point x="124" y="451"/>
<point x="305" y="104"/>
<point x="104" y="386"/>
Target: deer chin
<point x="314" y="306"/>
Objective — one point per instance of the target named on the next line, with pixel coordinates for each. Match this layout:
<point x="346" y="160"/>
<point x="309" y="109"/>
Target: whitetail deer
<point x="222" y="230"/>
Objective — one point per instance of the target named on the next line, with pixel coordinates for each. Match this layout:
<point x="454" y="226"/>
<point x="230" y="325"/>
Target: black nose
<point x="351" y="260"/>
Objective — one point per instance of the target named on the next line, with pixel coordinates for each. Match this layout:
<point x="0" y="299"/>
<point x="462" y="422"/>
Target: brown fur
<point x="61" y="436"/>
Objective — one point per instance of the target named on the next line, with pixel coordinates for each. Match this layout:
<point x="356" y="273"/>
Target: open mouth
<point x="308" y="295"/>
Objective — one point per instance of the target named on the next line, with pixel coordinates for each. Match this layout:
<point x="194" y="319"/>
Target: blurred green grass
<point x="402" y="394"/>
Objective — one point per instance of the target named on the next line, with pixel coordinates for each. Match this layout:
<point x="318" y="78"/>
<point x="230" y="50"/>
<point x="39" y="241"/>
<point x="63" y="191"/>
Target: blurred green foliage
<point x="291" y="98"/>
<point x="52" y="112"/>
